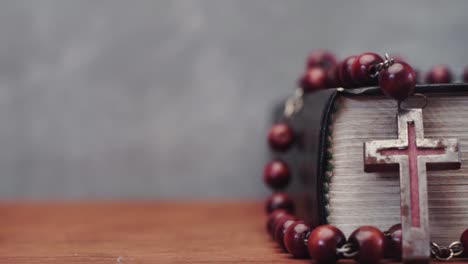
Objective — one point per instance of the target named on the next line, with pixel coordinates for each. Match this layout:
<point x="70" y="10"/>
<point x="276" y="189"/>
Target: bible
<point x="331" y="185"/>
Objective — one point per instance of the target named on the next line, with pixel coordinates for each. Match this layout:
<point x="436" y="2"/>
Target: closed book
<point x="330" y="185"/>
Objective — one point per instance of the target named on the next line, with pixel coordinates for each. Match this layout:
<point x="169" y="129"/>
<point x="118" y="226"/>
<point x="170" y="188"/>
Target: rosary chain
<point x="446" y="253"/>
<point x="294" y="103"/>
<point x="455" y="249"/>
<point x="380" y="66"/>
<point x="347" y="250"/>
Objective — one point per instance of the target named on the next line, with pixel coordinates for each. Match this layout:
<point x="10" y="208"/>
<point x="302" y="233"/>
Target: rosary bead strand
<point x="314" y="79"/>
<point x="439" y="74"/>
<point x="464" y="242"/>
<point x="277" y="174"/>
<point x="326" y="243"/>
<point x="369" y="243"/>
<point x="281" y="225"/>
<point x="272" y="218"/>
<point x="345" y="72"/>
<point x="280" y="137"/>
<point x="362" y="66"/>
<point x="322" y="59"/>
<point x="279" y="201"/>
<point x="393" y="242"/>
<point x="323" y="242"/>
<point x="295" y="236"/>
<point x="333" y="77"/>
<point x="398" y="81"/>
<point x="279" y="221"/>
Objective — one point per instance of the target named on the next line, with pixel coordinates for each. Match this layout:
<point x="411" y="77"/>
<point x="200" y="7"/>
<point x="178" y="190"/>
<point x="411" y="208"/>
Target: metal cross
<point x="412" y="154"/>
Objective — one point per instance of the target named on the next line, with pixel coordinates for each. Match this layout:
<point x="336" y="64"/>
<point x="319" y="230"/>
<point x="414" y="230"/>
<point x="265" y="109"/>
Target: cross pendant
<point x="412" y="154"/>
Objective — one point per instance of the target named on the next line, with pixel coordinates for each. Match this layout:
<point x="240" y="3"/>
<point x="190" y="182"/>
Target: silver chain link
<point x="383" y="65"/>
<point x="446" y="253"/>
<point x="455" y="249"/>
<point x="347" y="250"/>
<point x="294" y="103"/>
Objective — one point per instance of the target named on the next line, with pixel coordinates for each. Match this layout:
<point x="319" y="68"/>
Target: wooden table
<point x="137" y="232"/>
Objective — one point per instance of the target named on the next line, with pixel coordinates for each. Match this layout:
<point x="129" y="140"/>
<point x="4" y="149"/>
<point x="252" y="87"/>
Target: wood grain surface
<point x="137" y="232"/>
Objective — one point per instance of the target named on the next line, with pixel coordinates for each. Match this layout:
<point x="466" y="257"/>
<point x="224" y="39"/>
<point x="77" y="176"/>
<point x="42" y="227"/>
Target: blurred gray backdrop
<point x="171" y="99"/>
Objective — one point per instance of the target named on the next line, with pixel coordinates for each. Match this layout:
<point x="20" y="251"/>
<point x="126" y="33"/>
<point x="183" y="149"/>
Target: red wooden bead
<point x="280" y="226"/>
<point x="323" y="242"/>
<point x="294" y="239"/>
<point x="464" y="241"/>
<point x="345" y="72"/>
<point x="279" y="201"/>
<point x="362" y="68"/>
<point x="336" y="75"/>
<point x="398" y="81"/>
<point x="280" y="220"/>
<point x="398" y="58"/>
<point x="276" y="174"/>
<point x="393" y="242"/>
<point x="465" y="75"/>
<point x="394" y="228"/>
<point x="272" y="218"/>
<point x="370" y="243"/>
<point x="314" y="79"/>
<point x="321" y="58"/>
<point x="439" y="74"/>
<point x="333" y="78"/>
<point x="280" y="137"/>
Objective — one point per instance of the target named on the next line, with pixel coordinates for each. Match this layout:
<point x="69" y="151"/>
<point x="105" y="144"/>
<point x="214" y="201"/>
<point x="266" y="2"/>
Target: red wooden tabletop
<point x="137" y="232"/>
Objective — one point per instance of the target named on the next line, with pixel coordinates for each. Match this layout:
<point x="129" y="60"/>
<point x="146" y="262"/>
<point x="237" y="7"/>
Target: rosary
<point x="411" y="154"/>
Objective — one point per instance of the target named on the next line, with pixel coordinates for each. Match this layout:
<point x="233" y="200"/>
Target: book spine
<point x="328" y="175"/>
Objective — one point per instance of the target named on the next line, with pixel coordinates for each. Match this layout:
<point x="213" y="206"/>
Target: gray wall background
<point x="171" y="99"/>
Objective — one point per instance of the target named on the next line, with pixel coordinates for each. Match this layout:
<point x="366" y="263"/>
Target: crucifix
<point x="412" y="155"/>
